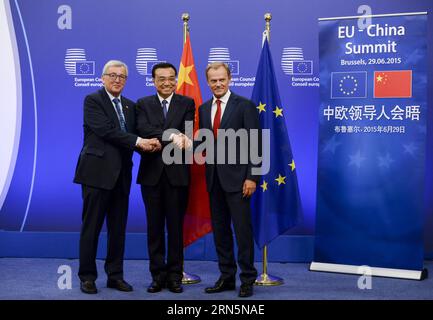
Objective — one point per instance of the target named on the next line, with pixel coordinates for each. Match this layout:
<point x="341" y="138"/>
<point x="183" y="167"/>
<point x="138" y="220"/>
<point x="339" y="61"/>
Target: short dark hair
<point x="163" y="65"/>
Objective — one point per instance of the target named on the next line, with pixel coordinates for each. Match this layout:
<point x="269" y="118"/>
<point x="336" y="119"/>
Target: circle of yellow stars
<point x="353" y="84"/>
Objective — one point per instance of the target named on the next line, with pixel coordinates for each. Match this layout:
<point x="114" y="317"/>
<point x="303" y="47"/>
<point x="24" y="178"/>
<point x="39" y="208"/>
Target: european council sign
<point x="372" y="139"/>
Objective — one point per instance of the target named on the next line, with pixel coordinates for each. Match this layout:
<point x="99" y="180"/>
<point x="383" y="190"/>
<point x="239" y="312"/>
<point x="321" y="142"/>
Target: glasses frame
<point x="114" y="76"/>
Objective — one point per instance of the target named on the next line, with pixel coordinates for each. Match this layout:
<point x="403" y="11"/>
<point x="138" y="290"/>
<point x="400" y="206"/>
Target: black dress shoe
<point x="246" y="290"/>
<point x="88" y="287"/>
<point x="120" y="285"/>
<point x="221" y="285"/>
<point x="154" y="287"/>
<point x="174" y="286"/>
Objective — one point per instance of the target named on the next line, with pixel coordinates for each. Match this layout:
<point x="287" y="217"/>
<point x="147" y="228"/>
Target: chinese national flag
<point x="197" y="221"/>
<point x="393" y="84"/>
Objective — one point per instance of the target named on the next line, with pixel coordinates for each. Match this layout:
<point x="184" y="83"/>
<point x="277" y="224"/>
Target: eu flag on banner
<point x="276" y="205"/>
<point x="349" y="84"/>
<point x="85" y="68"/>
<point x="303" y="67"/>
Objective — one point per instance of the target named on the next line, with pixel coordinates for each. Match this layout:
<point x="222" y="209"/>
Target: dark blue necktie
<point x="164" y="108"/>
<point x="120" y="114"/>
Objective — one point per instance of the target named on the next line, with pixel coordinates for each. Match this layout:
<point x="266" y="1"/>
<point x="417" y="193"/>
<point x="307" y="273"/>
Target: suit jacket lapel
<point x="207" y="114"/>
<point x="108" y="105"/>
<point x="125" y="107"/>
<point x="172" y="110"/>
<point x="157" y="110"/>
<point x="128" y="114"/>
<point x="231" y="105"/>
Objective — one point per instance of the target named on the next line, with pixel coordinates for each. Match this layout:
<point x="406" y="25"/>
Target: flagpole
<point x="185" y="18"/>
<point x="187" y="278"/>
<point x="266" y="279"/>
<point x="268" y="18"/>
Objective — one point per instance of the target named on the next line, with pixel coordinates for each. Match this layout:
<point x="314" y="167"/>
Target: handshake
<point x="181" y="141"/>
<point x="148" y="145"/>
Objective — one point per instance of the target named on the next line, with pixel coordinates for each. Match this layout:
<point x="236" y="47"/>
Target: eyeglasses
<point x="113" y="76"/>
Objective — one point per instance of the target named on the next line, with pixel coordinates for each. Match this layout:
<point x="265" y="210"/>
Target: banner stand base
<point x="372" y="271"/>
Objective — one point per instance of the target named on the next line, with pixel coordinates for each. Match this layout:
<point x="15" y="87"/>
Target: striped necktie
<point x="120" y="114"/>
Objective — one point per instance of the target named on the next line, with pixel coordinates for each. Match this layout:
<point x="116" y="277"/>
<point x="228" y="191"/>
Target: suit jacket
<point x="240" y="113"/>
<point x="106" y="148"/>
<point x="151" y="124"/>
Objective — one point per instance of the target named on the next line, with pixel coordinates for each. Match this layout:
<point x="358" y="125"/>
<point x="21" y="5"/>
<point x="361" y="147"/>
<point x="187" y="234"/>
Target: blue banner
<point x="372" y="140"/>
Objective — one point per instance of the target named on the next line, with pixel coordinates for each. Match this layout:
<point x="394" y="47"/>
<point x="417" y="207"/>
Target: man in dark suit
<point x="230" y="186"/>
<point x="104" y="170"/>
<point x="164" y="186"/>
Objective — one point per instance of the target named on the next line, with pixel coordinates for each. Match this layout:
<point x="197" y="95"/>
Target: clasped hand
<point x="149" y="145"/>
<point x="181" y="141"/>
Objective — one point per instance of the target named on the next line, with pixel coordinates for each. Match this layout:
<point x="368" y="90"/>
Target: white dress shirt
<point x="112" y="102"/>
<point x="168" y="99"/>
<point x="224" y="99"/>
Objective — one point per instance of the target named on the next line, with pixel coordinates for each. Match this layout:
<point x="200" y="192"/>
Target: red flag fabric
<point x="197" y="220"/>
<point x="393" y="84"/>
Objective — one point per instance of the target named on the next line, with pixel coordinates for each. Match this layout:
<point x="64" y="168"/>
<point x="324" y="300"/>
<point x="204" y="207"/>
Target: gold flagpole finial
<point x="268" y="18"/>
<point x="185" y="18"/>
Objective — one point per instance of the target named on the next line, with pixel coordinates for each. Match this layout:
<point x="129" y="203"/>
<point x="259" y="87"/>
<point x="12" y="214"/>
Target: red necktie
<point x="217" y="119"/>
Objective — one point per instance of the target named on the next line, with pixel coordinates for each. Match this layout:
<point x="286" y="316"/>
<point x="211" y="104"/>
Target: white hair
<point x="114" y="63"/>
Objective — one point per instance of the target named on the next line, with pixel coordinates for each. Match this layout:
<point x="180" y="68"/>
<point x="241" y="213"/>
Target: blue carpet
<point x="23" y="278"/>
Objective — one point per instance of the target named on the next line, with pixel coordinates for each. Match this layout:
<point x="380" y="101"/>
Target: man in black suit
<point x="230" y="186"/>
<point x="164" y="186"/>
<point x="104" y="170"/>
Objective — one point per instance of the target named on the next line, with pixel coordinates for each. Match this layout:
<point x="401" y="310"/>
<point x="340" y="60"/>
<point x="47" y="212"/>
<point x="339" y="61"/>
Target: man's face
<point x="114" y="80"/>
<point x="165" y="81"/>
<point x="218" y="81"/>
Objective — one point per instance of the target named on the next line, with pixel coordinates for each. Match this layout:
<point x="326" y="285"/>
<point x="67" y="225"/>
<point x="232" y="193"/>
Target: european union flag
<point x="276" y="205"/>
<point x="85" y="68"/>
<point x="349" y="84"/>
<point x="303" y="67"/>
<point x="234" y="66"/>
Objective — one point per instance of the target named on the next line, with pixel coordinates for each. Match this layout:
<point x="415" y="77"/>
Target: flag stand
<point x="187" y="278"/>
<point x="266" y="279"/>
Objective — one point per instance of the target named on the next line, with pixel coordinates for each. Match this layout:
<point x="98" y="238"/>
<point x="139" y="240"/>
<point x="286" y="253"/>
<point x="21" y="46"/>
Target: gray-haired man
<point x="104" y="171"/>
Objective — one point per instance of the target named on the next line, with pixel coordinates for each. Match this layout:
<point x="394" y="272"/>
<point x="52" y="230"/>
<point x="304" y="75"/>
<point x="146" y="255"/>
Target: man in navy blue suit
<point x="164" y="186"/>
<point x="104" y="170"/>
<point x="230" y="186"/>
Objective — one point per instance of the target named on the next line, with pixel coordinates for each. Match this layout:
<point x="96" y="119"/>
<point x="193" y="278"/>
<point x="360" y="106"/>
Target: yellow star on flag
<point x="278" y="112"/>
<point x="292" y="165"/>
<point x="379" y="78"/>
<point x="280" y="179"/>
<point x="264" y="186"/>
<point x="261" y="107"/>
<point x="184" y="75"/>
